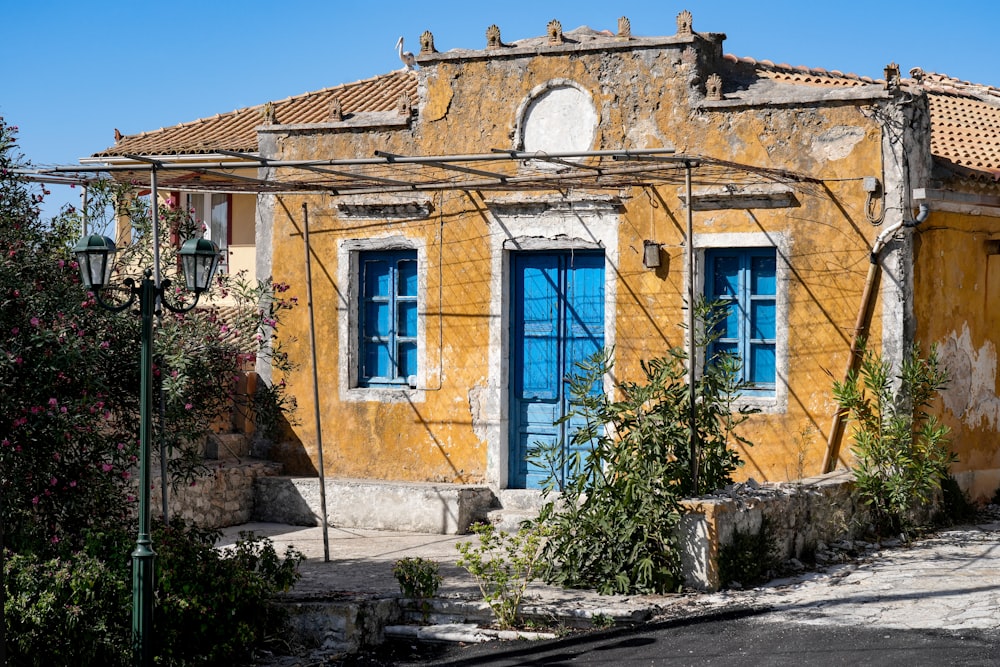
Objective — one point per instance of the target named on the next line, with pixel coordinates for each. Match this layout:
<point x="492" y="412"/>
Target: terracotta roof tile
<point x="236" y="130"/>
<point x="965" y="117"/>
<point x="802" y="74"/>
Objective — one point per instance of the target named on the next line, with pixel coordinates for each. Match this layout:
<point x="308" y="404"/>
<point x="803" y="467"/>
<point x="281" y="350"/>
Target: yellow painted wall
<point x="643" y="100"/>
<point x="957" y="289"/>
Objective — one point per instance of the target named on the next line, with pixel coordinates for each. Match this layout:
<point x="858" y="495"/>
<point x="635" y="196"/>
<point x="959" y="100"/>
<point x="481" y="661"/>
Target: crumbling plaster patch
<point x="837" y="142"/>
<point x="971" y="392"/>
<point x="484" y="410"/>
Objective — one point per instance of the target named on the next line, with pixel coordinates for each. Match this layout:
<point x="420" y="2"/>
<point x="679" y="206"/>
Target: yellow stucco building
<point x="480" y="222"/>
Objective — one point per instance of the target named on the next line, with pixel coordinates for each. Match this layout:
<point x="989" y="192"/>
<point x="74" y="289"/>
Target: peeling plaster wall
<point x="957" y="289"/>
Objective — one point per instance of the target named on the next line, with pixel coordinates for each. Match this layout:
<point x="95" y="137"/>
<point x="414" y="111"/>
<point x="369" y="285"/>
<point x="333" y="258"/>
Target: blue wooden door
<point x="557" y="320"/>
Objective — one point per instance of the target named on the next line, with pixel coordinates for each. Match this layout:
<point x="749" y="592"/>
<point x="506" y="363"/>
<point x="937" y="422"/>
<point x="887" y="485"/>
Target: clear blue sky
<point x="75" y="71"/>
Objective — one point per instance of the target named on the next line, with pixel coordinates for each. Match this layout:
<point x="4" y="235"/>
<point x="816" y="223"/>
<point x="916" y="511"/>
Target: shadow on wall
<point x="287" y="449"/>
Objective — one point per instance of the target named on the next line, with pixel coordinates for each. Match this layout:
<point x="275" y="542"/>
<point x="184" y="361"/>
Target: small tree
<point x="614" y="528"/>
<point x="900" y="449"/>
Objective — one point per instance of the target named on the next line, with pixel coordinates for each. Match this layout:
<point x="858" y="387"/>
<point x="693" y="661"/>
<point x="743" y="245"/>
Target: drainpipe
<point x="861" y="328"/>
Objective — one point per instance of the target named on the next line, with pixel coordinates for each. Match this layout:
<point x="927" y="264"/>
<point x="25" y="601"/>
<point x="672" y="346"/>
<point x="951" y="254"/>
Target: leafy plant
<point x="503" y="565"/>
<point x="418" y="579"/>
<point x="613" y="528"/>
<point x="212" y="604"/>
<point x="748" y="557"/>
<point x="900" y="449"/>
<point x="66" y="611"/>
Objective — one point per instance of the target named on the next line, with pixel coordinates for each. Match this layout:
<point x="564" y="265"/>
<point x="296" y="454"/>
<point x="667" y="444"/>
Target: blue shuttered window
<point x="388" y="317"/>
<point x="744" y="280"/>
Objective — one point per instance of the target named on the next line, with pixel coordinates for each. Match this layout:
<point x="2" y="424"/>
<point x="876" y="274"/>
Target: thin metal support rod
<point x="154" y="210"/>
<point x="164" y="492"/>
<point x="315" y="374"/>
<point x="692" y="352"/>
<point x="83" y="208"/>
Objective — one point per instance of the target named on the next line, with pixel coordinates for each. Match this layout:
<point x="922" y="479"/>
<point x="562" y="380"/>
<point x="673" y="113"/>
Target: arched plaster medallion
<point x="558" y="117"/>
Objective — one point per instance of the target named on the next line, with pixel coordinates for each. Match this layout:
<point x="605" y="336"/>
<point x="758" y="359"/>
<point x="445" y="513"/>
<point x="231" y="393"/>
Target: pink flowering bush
<point x="69" y="416"/>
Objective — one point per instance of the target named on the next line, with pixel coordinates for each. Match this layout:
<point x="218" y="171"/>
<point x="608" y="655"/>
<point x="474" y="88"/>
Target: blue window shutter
<point x="389" y="317"/>
<point x="744" y="281"/>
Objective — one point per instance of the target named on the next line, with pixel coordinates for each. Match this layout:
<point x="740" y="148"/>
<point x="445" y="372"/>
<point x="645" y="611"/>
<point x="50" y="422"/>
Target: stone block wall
<point x="223" y="496"/>
<point x="800" y="515"/>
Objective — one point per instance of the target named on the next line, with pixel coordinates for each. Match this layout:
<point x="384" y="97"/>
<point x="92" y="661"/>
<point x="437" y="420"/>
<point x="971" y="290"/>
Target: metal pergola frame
<point x="390" y="173"/>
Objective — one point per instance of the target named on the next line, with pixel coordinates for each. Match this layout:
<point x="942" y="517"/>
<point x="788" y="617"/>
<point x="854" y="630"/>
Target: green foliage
<point x="900" y="449"/>
<point x="503" y="565"/>
<point x="212" y="605"/>
<point x="418" y="577"/>
<point x="748" y="558"/>
<point x="418" y="580"/>
<point x="614" y="526"/>
<point x="66" y="611"/>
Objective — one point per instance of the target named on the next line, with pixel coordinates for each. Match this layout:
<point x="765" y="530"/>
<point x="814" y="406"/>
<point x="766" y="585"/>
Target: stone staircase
<point x="513" y="506"/>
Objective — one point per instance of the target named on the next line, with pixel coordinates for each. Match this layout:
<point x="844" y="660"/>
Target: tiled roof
<point x="801" y="74"/>
<point x="965" y="122"/>
<point x="965" y="117"/>
<point x="236" y="130"/>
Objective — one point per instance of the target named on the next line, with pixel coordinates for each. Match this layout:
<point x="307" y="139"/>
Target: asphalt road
<point x="736" y="638"/>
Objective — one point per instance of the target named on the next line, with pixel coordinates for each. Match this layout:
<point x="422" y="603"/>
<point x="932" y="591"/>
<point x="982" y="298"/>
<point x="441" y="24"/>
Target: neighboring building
<point x="456" y="278"/>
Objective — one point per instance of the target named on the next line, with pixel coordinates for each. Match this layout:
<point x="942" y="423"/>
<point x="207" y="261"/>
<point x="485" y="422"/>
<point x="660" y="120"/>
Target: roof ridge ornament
<point x="892" y="78"/>
<point x="624" y="29"/>
<point x="427" y="43"/>
<point x="555" y="31"/>
<point x="713" y="88"/>
<point x="404" y="105"/>
<point x="493" y="40"/>
<point x="269" y="114"/>
<point x="685" y="23"/>
<point x="336" y="111"/>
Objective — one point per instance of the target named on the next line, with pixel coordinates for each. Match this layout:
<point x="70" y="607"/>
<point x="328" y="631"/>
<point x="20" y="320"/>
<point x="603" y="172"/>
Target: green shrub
<point x="614" y="528"/>
<point x="212" y="605"/>
<point x="66" y="611"/>
<point x="418" y="580"/>
<point x="900" y="449"/>
<point x="503" y="565"/>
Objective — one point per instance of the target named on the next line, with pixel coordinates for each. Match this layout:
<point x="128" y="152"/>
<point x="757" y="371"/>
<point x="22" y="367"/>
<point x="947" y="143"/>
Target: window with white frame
<point x="213" y="210"/>
<point x="744" y="281"/>
<point x="388" y="286"/>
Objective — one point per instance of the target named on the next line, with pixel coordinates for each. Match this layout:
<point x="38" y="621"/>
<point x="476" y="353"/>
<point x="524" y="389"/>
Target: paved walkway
<point x="948" y="581"/>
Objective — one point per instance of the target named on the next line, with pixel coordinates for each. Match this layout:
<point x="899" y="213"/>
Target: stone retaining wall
<point x="223" y="496"/>
<point x="799" y="516"/>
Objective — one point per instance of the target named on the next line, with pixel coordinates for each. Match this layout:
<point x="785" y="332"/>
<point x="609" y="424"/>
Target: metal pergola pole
<point x="315" y="374"/>
<point x="692" y="352"/>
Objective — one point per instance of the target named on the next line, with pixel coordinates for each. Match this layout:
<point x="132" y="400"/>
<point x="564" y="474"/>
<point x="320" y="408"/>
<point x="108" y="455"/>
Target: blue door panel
<point x="557" y="320"/>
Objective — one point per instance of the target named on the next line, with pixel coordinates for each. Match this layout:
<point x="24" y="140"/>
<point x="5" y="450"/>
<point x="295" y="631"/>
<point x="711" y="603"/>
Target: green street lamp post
<point x="199" y="260"/>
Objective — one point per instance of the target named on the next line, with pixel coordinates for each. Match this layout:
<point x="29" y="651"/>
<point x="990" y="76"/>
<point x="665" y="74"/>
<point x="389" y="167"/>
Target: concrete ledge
<point x="445" y="509"/>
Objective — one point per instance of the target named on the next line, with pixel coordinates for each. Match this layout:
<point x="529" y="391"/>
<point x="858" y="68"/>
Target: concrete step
<point x="516" y="507"/>
<point x="509" y="520"/>
<point x="450" y="611"/>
